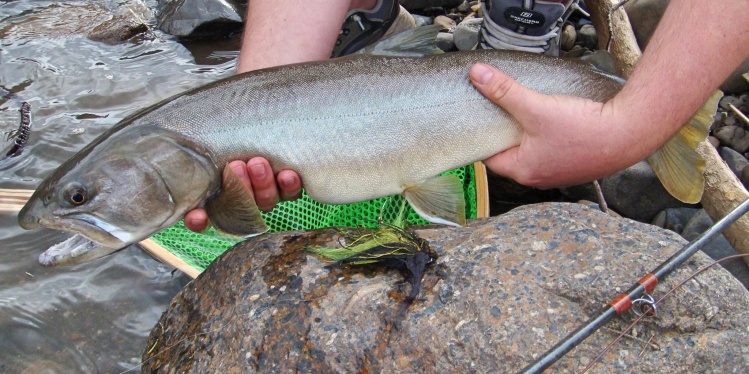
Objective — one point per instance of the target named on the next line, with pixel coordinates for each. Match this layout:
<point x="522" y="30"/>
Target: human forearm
<point x="696" y="46"/>
<point x="304" y="31"/>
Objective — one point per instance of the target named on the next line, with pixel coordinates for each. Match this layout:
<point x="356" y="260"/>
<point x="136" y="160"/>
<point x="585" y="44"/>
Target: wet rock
<point x="503" y="291"/>
<point x="718" y="248"/>
<point x="569" y="36"/>
<point x="587" y="37"/>
<point x="445" y="41"/>
<point x="467" y="34"/>
<point x="200" y="18"/>
<point x="91" y="20"/>
<point x="735" y="161"/>
<point x="634" y="193"/>
<point x="734" y="137"/>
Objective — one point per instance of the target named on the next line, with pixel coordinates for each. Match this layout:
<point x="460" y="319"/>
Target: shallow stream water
<point x="93" y="317"/>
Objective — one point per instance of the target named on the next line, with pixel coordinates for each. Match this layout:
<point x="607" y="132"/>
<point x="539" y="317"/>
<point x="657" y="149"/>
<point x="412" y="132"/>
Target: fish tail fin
<point x="439" y="200"/>
<point x="234" y="211"/>
<point x="677" y="164"/>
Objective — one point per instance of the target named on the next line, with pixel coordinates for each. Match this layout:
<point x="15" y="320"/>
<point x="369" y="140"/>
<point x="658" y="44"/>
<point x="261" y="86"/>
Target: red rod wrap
<point x="621" y="303"/>
<point x="648" y="281"/>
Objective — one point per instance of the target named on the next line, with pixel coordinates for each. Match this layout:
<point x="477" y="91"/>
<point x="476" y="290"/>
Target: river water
<point x="93" y="317"/>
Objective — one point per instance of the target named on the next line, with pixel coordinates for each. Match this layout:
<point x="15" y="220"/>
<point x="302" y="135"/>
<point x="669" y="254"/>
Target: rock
<point x="422" y="20"/>
<point x="735" y="161"/>
<point x="569" y="36"/>
<point x="736" y="83"/>
<point x="644" y="16"/>
<point x="464" y="7"/>
<point x="729" y="99"/>
<point x="199" y="18"/>
<point x="503" y="291"/>
<point x="445" y="41"/>
<point x="444" y="22"/>
<point x="588" y="37"/>
<point x="634" y="193"/>
<point x="718" y="248"/>
<point x="415" y="5"/>
<point x="745" y="176"/>
<point x="734" y="137"/>
<point x="466" y="34"/>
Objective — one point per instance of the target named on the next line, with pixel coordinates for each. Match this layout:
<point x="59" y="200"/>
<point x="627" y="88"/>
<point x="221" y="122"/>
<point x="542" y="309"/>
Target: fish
<point x="382" y="122"/>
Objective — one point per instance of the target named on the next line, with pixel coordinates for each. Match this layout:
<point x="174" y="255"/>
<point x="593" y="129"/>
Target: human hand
<point x="567" y="140"/>
<point x="258" y="175"/>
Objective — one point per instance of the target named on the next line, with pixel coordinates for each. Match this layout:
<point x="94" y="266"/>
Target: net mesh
<point x="200" y="249"/>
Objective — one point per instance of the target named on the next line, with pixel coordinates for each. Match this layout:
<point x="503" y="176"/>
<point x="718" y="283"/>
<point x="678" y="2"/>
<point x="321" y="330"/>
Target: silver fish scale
<point x="363" y="127"/>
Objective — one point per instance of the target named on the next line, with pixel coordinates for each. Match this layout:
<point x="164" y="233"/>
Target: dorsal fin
<point x="415" y="42"/>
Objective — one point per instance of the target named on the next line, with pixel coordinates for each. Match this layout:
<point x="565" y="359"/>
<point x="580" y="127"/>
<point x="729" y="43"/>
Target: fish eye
<point x="76" y="194"/>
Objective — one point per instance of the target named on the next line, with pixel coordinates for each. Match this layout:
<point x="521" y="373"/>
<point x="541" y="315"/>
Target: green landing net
<point x="200" y="249"/>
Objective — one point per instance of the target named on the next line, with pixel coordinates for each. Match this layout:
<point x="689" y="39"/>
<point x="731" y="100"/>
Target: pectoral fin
<point x="677" y="164"/>
<point x="234" y="211"/>
<point x="439" y="200"/>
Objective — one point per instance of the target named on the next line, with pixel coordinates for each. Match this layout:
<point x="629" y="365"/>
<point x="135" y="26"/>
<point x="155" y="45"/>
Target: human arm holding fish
<point x="569" y="140"/>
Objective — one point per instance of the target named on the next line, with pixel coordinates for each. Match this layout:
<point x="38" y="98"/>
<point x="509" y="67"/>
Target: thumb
<point x="504" y="91"/>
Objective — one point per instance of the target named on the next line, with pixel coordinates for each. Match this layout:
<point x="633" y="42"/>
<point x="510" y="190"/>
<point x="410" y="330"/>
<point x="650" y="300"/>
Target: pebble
<point x="734" y="137"/>
<point x="588" y="37"/>
<point x="569" y="36"/>
<point x="445" y="22"/>
<point x="445" y="41"/>
<point x="467" y="34"/>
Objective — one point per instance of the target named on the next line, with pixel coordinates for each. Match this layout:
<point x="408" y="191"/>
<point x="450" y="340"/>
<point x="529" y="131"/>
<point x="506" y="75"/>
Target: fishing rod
<point x="644" y="286"/>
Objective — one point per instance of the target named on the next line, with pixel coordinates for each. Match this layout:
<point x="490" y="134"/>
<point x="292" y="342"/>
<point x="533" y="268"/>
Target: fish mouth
<point x="94" y="238"/>
<point x="75" y="250"/>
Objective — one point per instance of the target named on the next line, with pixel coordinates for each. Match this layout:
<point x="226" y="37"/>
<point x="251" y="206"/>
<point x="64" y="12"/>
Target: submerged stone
<point x="503" y="291"/>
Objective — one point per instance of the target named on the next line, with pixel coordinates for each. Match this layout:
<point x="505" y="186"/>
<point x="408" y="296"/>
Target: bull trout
<point x="355" y="128"/>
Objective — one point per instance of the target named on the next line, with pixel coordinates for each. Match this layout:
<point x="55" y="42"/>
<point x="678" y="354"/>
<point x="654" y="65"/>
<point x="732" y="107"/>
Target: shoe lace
<point x="498" y="37"/>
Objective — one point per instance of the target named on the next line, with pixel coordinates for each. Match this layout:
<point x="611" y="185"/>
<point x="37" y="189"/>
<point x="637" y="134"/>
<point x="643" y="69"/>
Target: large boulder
<point x="503" y="291"/>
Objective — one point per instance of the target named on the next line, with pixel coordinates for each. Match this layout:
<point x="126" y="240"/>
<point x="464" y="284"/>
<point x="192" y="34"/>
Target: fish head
<point x="120" y="191"/>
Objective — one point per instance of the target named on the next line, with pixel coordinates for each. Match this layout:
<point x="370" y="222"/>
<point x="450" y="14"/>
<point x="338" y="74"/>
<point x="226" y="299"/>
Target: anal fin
<point x="677" y="164"/>
<point x="234" y="211"/>
<point x="439" y="200"/>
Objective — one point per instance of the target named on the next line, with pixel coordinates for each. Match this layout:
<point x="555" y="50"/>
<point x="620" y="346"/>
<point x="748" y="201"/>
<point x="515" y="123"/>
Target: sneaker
<point x="364" y="27"/>
<point x="525" y="25"/>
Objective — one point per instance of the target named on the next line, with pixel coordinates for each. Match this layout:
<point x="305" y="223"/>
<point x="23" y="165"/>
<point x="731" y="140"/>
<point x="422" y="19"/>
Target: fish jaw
<point x="75" y="250"/>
